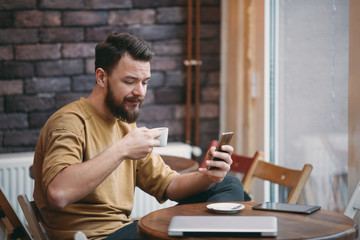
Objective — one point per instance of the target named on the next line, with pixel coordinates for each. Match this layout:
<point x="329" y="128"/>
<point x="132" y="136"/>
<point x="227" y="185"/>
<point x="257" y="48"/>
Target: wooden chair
<point x="32" y="216"/>
<point x="14" y="229"/>
<point x="296" y="179"/>
<point x="354" y="203"/>
<point x="242" y="164"/>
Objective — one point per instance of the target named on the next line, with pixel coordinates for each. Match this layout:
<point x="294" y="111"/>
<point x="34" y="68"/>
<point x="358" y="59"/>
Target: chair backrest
<point x="32" y="216"/>
<point x="242" y="164"/>
<point x="296" y="179"/>
<point x="14" y="228"/>
<point x="354" y="203"/>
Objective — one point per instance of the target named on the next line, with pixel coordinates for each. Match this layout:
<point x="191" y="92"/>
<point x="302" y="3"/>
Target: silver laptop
<point x="223" y="226"/>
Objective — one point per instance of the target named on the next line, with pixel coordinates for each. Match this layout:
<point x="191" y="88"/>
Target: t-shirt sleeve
<point x="64" y="148"/>
<point x="153" y="176"/>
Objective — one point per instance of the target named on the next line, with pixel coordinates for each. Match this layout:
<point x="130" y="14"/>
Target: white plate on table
<point x="225" y="207"/>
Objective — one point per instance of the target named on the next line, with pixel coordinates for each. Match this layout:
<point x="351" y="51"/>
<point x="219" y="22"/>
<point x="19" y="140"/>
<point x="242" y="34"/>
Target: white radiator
<point x="15" y="179"/>
<point x="145" y="203"/>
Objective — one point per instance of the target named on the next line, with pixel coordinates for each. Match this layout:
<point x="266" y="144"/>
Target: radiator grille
<point x="15" y="178"/>
<point x="145" y="203"/>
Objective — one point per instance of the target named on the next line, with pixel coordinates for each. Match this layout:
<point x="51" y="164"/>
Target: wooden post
<point x="197" y="72"/>
<point x="188" y="75"/>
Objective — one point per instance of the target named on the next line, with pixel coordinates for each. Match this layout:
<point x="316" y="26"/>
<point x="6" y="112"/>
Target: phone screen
<point x="224" y="139"/>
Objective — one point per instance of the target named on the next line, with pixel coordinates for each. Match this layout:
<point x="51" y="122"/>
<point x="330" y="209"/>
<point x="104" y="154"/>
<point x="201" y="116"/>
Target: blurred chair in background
<point x="10" y="222"/>
<point x="354" y="204"/>
<point x="32" y="217"/>
<point x="296" y="179"/>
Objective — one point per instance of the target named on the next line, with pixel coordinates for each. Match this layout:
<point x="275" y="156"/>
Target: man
<point x="90" y="154"/>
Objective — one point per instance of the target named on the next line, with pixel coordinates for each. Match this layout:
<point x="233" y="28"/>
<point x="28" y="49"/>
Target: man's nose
<point x="140" y="89"/>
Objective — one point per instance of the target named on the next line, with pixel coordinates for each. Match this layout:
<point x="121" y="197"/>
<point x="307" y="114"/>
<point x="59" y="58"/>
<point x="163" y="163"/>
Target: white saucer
<point x="225" y="207"/>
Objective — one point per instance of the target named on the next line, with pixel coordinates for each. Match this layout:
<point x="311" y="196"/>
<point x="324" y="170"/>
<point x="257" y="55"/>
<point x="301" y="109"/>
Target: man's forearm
<point x="186" y="185"/>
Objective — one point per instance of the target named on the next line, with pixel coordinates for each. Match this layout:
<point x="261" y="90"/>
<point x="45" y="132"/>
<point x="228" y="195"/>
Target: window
<point x="306" y="95"/>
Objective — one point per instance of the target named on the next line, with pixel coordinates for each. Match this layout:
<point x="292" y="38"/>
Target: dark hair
<point x="110" y="51"/>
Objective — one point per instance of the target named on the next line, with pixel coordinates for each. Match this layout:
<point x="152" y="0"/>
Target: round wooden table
<point x="321" y="224"/>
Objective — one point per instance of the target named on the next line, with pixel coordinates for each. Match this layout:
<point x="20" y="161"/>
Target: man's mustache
<point x="134" y="99"/>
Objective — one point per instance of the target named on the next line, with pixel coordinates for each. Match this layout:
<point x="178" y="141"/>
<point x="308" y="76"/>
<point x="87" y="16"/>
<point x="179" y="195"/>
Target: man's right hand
<point x="139" y="142"/>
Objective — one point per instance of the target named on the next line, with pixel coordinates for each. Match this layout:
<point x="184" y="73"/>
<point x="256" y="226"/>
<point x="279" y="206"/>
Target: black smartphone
<point x="224" y="139"/>
<point x="285" y="207"/>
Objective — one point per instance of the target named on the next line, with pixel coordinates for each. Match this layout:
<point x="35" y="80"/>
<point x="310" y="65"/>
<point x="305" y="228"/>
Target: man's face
<point x="126" y="88"/>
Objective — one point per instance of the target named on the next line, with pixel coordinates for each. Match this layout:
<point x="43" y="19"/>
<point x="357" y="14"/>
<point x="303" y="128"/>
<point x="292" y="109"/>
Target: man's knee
<point x="230" y="188"/>
<point x="232" y="181"/>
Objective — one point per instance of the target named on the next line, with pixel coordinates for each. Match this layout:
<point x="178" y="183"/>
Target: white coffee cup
<point x="163" y="137"/>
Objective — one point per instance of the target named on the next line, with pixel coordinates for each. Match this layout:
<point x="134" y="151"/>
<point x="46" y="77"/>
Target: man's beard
<point x="119" y="111"/>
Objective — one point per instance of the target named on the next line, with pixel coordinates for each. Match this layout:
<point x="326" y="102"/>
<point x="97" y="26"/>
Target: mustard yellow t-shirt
<point x="77" y="133"/>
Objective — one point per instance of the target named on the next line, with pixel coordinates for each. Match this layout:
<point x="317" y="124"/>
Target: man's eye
<point x="145" y="83"/>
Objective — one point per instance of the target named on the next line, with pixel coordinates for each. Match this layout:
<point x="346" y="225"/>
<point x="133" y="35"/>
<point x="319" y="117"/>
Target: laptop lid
<point x="225" y="226"/>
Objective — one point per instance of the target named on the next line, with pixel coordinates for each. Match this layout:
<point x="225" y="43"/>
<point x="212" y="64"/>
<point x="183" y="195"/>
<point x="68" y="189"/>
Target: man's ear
<point x="101" y="77"/>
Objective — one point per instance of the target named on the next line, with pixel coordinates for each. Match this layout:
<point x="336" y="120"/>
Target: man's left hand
<point x="219" y="168"/>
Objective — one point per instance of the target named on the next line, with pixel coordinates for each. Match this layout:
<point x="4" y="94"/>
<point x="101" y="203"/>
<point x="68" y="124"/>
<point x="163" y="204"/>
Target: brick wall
<point x="47" y="61"/>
